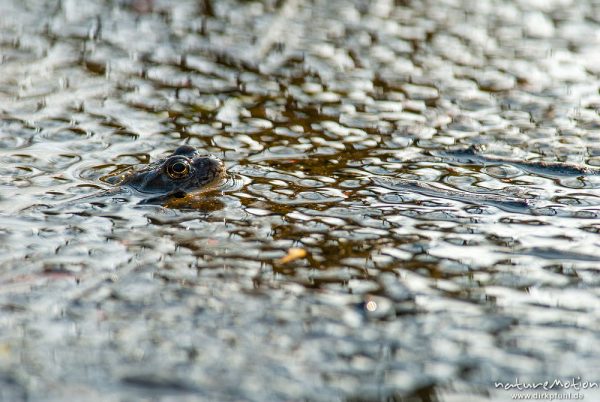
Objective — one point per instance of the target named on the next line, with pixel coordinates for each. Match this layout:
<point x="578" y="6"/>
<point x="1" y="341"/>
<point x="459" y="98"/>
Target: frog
<point x="184" y="172"/>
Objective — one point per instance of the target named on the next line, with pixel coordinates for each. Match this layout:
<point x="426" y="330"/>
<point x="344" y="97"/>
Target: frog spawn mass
<point x="324" y="109"/>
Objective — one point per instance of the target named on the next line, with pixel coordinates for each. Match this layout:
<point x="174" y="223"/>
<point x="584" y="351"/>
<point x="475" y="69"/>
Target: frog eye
<point x="178" y="169"/>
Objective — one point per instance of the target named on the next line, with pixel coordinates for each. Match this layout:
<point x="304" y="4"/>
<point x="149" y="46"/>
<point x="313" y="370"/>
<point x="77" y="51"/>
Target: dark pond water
<point x="334" y="119"/>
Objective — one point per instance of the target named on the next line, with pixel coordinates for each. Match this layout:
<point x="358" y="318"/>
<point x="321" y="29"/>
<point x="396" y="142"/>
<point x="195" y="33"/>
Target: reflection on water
<point x="351" y="253"/>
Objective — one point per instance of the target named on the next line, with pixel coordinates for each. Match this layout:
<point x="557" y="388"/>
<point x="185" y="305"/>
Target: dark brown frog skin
<point x="185" y="171"/>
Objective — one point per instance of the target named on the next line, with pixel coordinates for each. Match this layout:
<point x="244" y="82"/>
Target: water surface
<point x="326" y="114"/>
